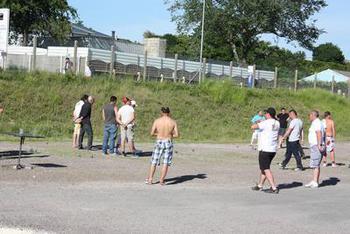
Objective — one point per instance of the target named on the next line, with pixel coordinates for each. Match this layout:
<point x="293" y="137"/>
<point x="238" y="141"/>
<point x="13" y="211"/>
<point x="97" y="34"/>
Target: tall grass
<point x="211" y="112"/>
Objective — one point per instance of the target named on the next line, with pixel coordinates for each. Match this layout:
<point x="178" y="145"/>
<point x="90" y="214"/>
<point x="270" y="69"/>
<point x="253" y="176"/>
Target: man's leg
<point x="90" y="135"/>
<point x="130" y="135"/>
<point x="270" y="178"/>
<point x="164" y="173"/>
<point x="296" y="153"/>
<point x="152" y="170"/>
<point x="287" y="156"/>
<point x="81" y="136"/>
<point x="262" y="179"/>
<point x="105" y="139"/>
<point x="332" y="154"/>
<point x="317" y="172"/>
<point x="112" y="136"/>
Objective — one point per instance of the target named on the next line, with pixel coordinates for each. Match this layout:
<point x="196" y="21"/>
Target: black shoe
<point x="124" y="154"/>
<point x="270" y="190"/>
<point x="257" y="188"/>
<point x="80" y="148"/>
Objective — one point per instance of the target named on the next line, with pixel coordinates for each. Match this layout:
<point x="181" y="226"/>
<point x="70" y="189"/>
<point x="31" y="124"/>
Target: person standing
<point x="267" y="146"/>
<point x="330" y="139"/>
<point x="109" y="116"/>
<point x="86" y="126"/>
<point x="165" y="129"/>
<point x="255" y="120"/>
<point x="77" y="120"/>
<point x="316" y="141"/>
<point x="126" y="118"/>
<point x="283" y="119"/>
<point x="68" y="66"/>
<point x="293" y="134"/>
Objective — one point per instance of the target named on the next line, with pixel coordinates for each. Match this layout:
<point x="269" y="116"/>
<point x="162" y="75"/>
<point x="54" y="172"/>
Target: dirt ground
<point x="207" y="191"/>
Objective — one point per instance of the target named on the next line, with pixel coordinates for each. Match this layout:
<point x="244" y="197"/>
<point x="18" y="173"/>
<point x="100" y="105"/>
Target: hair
<point x="165" y="110"/>
<point x="84" y="97"/>
<point x="327" y="113"/>
<point x="293" y="111"/>
<point x="283" y="108"/>
<point x="113" y="99"/>
<point x="316" y="113"/>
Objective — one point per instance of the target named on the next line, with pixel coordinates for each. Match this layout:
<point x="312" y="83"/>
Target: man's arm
<point x="302" y="135"/>
<point x="84" y="112"/>
<point x="176" y="131"/>
<point x="333" y="127"/>
<point x="103" y="115"/>
<point x="116" y="115"/>
<point x="255" y="126"/>
<point x="154" y="129"/>
<point x="319" y="139"/>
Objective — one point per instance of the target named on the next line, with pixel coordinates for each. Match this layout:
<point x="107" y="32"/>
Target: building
<point x="328" y="76"/>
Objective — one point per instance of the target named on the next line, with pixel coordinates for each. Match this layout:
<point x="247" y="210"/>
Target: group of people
<point x="271" y="130"/>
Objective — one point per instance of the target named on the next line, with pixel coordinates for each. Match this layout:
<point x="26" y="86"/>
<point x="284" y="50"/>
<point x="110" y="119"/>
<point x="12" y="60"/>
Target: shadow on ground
<point x="290" y="185"/>
<point x="48" y="165"/>
<point x="13" y="154"/>
<point x="185" y="178"/>
<point x="332" y="181"/>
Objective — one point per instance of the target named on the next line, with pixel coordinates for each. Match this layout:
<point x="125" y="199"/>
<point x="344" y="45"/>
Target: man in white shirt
<point x="77" y="120"/>
<point x="267" y="146"/>
<point x="316" y="141"/>
<point x="126" y="116"/>
<point x="294" y="132"/>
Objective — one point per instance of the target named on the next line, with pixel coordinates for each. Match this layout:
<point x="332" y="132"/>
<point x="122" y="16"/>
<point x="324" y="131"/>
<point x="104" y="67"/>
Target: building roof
<point x="327" y="76"/>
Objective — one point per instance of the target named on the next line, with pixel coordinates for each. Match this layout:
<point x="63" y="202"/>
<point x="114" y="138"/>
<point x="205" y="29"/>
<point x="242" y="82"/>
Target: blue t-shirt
<point x="257" y="118"/>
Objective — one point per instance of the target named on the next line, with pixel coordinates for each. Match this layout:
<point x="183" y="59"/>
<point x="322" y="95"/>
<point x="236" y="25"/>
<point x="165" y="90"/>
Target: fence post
<point x="315" y="81"/>
<point x="348" y="88"/>
<point x="204" y="68"/>
<point x="275" y="78"/>
<point x="35" y="44"/>
<point x="145" y="66"/>
<point x="112" y="60"/>
<point x="231" y="69"/>
<point x="175" y="68"/>
<point x="333" y="84"/>
<point x="75" y="58"/>
<point x="254" y="74"/>
<point x="296" y="80"/>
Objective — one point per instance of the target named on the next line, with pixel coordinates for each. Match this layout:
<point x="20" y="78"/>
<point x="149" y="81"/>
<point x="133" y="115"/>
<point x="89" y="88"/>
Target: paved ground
<point x="208" y="191"/>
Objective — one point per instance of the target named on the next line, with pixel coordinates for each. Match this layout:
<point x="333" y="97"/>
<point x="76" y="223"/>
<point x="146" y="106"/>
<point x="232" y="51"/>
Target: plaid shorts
<point x="163" y="148"/>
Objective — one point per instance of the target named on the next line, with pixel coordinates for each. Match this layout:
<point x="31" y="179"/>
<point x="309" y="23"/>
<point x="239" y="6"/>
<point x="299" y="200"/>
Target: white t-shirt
<point x="297" y="126"/>
<point x="268" y="135"/>
<point x="126" y="113"/>
<point x="316" y="125"/>
<point x="77" y="109"/>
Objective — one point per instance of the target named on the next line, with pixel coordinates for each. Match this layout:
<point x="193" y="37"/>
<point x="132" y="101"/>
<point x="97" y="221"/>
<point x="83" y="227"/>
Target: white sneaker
<point x="312" y="184"/>
<point x="324" y="165"/>
<point x="334" y="165"/>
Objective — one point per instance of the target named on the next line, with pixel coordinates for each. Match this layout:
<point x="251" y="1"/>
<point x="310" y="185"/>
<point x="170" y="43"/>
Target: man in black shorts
<point x="283" y="118"/>
<point x="267" y="146"/>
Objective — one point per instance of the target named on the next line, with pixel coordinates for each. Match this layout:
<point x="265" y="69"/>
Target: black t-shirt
<point x="283" y="119"/>
<point x="85" y="113"/>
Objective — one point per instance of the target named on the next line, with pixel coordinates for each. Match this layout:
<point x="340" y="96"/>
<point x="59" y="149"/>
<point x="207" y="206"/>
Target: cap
<point x="133" y="103"/>
<point x="271" y="111"/>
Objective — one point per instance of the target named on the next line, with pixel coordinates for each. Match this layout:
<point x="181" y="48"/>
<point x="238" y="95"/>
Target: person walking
<point x="267" y="146"/>
<point x="255" y="120"/>
<point x="293" y="135"/>
<point x="126" y="118"/>
<point x="330" y="139"/>
<point x="86" y="126"/>
<point x="283" y="119"/>
<point x="77" y="120"/>
<point x="109" y="116"/>
<point x="165" y="129"/>
<point x="316" y="141"/>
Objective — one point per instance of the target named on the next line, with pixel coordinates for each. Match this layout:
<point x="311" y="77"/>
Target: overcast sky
<point x="131" y="18"/>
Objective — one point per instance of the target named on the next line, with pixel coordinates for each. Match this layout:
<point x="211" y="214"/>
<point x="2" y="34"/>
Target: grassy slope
<point x="212" y="112"/>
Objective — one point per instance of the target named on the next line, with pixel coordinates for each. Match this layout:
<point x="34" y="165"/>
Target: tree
<point x="328" y="52"/>
<point x="239" y="23"/>
<point x="40" y="17"/>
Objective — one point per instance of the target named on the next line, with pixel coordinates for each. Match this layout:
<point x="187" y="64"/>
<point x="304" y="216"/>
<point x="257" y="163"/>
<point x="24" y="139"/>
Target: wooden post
<point x="275" y="78"/>
<point x="333" y="80"/>
<point x="145" y="66"/>
<point x="296" y="80"/>
<point x="315" y="81"/>
<point x="254" y="74"/>
<point x="348" y="88"/>
<point x="175" y="68"/>
<point x="75" y="58"/>
<point x="35" y="44"/>
<point x="111" y="68"/>
<point x="231" y="69"/>
<point x="204" y="68"/>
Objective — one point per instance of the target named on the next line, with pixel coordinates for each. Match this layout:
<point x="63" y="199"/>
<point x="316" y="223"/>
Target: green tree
<point x="40" y="17"/>
<point x="328" y="52"/>
<point x="239" y="23"/>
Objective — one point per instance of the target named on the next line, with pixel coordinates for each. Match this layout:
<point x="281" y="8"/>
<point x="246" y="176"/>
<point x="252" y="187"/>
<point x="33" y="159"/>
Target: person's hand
<point x="320" y="148"/>
<point x="1" y="110"/>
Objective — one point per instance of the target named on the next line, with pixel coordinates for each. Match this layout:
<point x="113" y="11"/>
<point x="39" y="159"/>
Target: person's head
<point x="113" y="99"/>
<point x="133" y="103"/>
<point x="283" y="110"/>
<point x="270" y="113"/>
<point x="126" y="100"/>
<point x="327" y="115"/>
<point x="165" y="111"/>
<point x="67" y="59"/>
<point x="261" y="113"/>
<point x="314" y="115"/>
<point x="293" y="114"/>
<point x="91" y="99"/>
<point x="84" y="97"/>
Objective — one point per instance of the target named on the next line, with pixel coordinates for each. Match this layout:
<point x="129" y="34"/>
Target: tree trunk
<point x="235" y="54"/>
<point x="24" y="39"/>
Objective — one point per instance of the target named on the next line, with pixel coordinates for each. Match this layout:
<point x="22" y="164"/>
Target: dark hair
<point x="316" y="113"/>
<point x="283" y="108"/>
<point x="327" y="113"/>
<point x="84" y="97"/>
<point x="113" y="99"/>
<point x="165" y="110"/>
<point x="294" y="111"/>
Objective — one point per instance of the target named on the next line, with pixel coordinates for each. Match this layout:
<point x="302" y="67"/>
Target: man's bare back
<point x="165" y="128"/>
<point x="330" y="130"/>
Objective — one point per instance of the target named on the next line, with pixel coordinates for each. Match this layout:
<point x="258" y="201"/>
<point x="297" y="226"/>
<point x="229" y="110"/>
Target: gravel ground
<point x="71" y="191"/>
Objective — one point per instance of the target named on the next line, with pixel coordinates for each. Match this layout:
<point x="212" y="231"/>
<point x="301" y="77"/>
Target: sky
<point x="131" y="18"/>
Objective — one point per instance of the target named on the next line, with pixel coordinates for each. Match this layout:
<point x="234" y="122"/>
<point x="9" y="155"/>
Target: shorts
<point x="77" y="128"/>
<point x="163" y="148"/>
<point x="265" y="159"/>
<point x="315" y="157"/>
<point x="127" y="133"/>
<point x="282" y="131"/>
<point x="330" y="144"/>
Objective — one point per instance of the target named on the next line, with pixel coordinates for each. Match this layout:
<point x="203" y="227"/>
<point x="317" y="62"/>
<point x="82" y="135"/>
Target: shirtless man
<point x="330" y="138"/>
<point x="165" y="129"/>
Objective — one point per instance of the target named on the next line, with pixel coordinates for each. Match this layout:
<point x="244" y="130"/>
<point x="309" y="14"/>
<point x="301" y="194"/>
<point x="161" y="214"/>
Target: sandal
<point x="147" y="182"/>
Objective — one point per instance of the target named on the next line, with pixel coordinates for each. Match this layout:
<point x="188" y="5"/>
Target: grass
<point x="215" y="111"/>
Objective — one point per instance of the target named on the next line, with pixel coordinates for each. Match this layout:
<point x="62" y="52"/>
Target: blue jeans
<point x="109" y="135"/>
